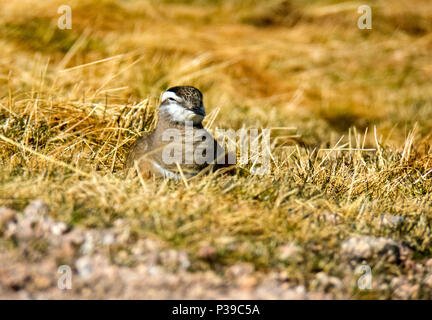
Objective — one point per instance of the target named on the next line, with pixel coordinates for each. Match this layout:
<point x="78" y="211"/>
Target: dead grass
<point x="73" y="100"/>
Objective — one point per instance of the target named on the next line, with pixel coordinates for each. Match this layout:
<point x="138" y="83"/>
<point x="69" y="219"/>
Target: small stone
<point x="65" y="251"/>
<point x="88" y="244"/>
<point x="175" y="259"/>
<point x="207" y="252"/>
<point x="419" y="268"/>
<point x="409" y="264"/>
<point x="403" y="289"/>
<point x="124" y="235"/>
<point x="119" y="223"/>
<point x="300" y="290"/>
<point x="122" y="231"/>
<point x="84" y="267"/>
<point x="6" y="215"/>
<point x="428" y="264"/>
<point x="33" y="222"/>
<point x="75" y="237"/>
<point x="408" y="291"/>
<point x="428" y="280"/>
<point x="289" y="251"/>
<point x="154" y="270"/>
<point x="59" y="228"/>
<point x="184" y="260"/>
<point x="41" y="282"/>
<point x="108" y="239"/>
<point x="272" y="290"/>
<point x="152" y="244"/>
<point x="47" y="225"/>
<point x="247" y="282"/>
<point x="327" y="281"/>
<point x="122" y="257"/>
<point x="240" y="269"/>
<point x="15" y="276"/>
<point x="397" y="281"/>
<point x="36" y="208"/>
<point x="11" y="230"/>
<point x="365" y="247"/>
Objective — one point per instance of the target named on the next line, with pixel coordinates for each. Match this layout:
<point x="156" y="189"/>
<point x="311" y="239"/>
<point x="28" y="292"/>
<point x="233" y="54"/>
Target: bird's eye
<point x="172" y="99"/>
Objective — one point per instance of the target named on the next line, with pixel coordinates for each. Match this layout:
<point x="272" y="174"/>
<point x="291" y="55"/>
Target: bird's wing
<point x="140" y="147"/>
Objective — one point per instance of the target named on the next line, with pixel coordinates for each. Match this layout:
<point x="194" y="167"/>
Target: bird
<point x="179" y="145"/>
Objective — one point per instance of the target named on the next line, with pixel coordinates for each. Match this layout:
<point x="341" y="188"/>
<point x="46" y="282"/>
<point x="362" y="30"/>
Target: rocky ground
<point x="38" y="252"/>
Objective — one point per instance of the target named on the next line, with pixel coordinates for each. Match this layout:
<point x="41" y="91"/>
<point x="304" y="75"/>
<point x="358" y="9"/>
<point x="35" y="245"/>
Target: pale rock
<point x="59" y="228"/>
<point x="290" y="251"/>
<point x="207" y="252"/>
<point x="84" y="267"/>
<point x="365" y="247"/>
<point x="6" y="215"/>
<point x="326" y="281"/>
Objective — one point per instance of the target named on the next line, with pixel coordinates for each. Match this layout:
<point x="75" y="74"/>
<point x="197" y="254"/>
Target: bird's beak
<point x="200" y="111"/>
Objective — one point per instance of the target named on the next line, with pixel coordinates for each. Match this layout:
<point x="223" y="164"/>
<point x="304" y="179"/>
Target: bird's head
<point x="181" y="104"/>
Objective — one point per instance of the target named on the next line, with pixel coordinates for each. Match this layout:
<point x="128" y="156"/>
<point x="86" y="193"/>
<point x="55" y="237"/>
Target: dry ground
<point x="350" y="185"/>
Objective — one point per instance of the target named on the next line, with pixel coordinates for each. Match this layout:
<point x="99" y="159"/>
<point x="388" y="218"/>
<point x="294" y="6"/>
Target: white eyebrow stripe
<point x="170" y="94"/>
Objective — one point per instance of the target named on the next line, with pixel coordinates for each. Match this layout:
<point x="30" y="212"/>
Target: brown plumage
<point x="179" y="141"/>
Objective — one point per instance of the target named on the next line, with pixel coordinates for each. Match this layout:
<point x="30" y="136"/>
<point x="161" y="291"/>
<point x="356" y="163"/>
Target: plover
<point x="179" y="144"/>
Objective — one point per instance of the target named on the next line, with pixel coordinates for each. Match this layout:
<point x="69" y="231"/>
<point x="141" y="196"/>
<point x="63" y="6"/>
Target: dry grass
<point x="72" y="101"/>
